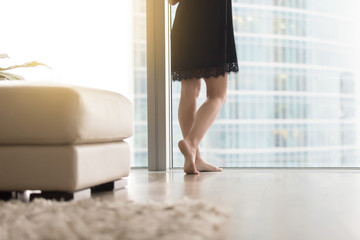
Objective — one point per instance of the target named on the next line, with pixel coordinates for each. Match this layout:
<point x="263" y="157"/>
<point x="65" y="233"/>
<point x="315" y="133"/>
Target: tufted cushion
<point x="38" y="113"/>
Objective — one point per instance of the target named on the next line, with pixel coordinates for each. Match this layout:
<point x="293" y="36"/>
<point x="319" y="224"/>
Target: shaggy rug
<point x="111" y="219"/>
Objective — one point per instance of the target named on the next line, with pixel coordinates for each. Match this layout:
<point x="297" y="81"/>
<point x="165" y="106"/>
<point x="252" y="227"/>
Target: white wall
<point x="86" y="42"/>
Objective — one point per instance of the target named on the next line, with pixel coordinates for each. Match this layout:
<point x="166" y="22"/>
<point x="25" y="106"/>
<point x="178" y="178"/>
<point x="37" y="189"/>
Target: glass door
<point x="294" y="102"/>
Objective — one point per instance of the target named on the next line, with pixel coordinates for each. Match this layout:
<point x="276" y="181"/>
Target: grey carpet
<point x="105" y="219"/>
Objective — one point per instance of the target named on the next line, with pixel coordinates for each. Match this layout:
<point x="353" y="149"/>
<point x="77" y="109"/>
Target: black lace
<point x="205" y="72"/>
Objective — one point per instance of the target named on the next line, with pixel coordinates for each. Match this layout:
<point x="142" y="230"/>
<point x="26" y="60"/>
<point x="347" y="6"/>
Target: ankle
<point x="190" y="144"/>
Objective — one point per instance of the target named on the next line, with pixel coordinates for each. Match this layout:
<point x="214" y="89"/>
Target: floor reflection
<point x="193" y="184"/>
<point x="266" y="204"/>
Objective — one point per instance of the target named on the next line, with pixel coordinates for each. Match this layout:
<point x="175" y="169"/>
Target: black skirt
<point x="202" y="40"/>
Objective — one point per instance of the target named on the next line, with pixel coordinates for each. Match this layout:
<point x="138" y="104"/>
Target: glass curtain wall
<point x="92" y="43"/>
<point x="140" y="85"/>
<point x="293" y="102"/>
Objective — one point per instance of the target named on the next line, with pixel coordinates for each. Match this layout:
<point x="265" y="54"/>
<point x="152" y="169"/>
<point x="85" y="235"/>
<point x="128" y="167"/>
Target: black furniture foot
<point x="110" y="186"/>
<point x="7" y="195"/>
<point x="66" y="196"/>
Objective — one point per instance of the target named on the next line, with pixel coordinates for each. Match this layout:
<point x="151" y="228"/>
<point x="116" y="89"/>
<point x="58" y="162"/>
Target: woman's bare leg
<point x="190" y="90"/>
<point x="204" y="117"/>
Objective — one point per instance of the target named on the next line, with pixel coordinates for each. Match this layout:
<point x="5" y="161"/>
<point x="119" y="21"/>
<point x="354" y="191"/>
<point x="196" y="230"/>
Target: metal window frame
<point x="158" y="85"/>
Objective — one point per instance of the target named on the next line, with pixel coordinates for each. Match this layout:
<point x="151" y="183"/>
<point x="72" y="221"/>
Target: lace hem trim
<point x="205" y="72"/>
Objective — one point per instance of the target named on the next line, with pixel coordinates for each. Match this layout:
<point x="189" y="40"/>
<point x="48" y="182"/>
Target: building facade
<point x="140" y="156"/>
<point x="293" y="102"/>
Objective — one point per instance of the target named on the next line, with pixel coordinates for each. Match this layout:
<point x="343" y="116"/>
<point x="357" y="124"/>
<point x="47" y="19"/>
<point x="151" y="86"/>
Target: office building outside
<point x="293" y="102"/>
<point x="140" y="156"/>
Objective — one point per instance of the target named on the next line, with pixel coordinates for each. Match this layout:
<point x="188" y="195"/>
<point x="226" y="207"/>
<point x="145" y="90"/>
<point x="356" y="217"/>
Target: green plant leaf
<point x="29" y="64"/>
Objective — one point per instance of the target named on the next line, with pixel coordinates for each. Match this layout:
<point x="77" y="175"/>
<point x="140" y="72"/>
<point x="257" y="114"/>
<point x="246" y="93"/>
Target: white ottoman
<point x="61" y="139"/>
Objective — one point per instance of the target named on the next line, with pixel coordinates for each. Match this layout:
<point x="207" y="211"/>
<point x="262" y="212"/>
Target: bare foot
<point x="189" y="155"/>
<point x="203" y="166"/>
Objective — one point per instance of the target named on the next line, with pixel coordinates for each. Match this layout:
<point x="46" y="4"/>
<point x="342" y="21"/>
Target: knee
<point x="223" y="99"/>
<point x="197" y="91"/>
<point x="219" y="98"/>
<point x="191" y="90"/>
<point x="196" y="87"/>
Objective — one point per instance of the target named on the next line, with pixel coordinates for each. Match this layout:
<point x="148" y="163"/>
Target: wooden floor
<point x="266" y="204"/>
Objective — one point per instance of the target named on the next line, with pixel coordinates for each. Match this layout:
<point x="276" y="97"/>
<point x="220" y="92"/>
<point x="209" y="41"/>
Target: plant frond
<point x="10" y="76"/>
<point x="29" y="64"/>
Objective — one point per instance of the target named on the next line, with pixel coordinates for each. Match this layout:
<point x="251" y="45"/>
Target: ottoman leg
<point x="6" y="195"/>
<point x="66" y="196"/>
<point x="110" y="186"/>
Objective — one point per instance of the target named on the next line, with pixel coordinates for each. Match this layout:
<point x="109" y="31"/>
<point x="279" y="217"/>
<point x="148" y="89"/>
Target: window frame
<point x="158" y="85"/>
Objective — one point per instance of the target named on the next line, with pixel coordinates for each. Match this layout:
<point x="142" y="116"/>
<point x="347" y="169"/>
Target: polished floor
<point x="266" y="204"/>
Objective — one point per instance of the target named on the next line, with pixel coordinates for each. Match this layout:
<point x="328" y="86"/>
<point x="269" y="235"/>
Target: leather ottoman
<point x="62" y="140"/>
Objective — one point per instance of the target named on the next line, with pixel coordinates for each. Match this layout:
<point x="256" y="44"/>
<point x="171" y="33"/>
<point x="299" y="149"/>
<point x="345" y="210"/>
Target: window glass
<point x="294" y="101"/>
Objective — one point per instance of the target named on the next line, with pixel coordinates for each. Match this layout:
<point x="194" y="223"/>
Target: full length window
<point x="91" y="43"/>
<point x="294" y="101"/>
